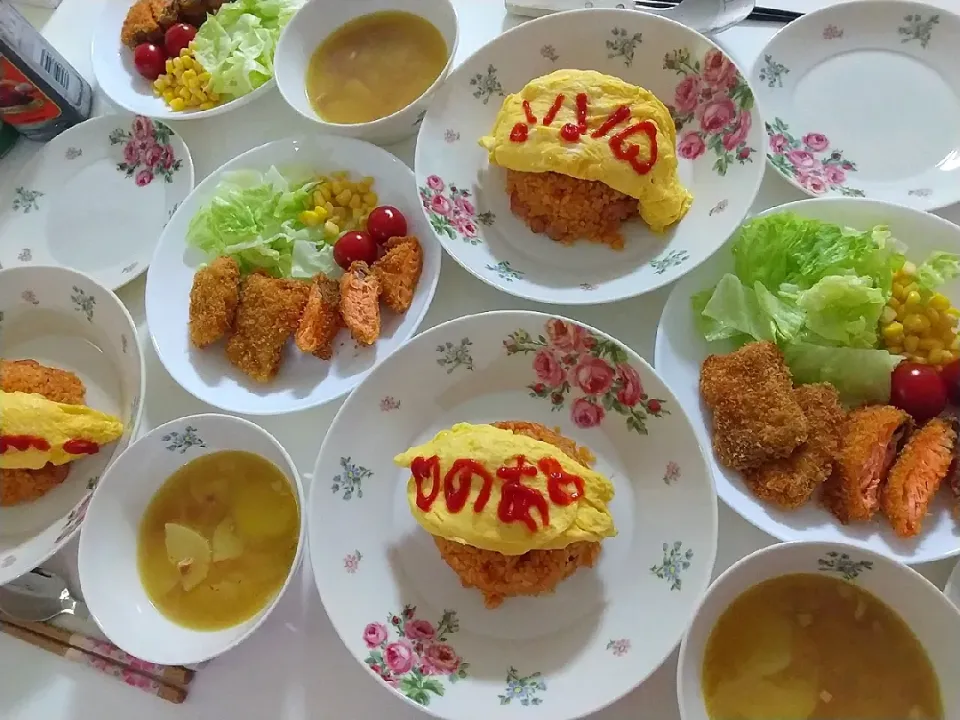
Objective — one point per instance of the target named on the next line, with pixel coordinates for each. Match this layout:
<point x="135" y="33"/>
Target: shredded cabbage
<point x="236" y="45"/>
<point x="253" y="217"/>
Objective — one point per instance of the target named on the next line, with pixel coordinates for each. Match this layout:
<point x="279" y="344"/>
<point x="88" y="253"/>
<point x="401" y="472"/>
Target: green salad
<point x="255" y="218"/>
<point x="819" y="291"/>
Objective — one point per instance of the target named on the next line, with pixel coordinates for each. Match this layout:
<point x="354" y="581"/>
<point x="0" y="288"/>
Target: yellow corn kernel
<point x="901" y="313"/>
<point x="894" y="303"/>
<point x="932" y="315"/>
<point x="177" y="105"/>
<point x="913" y="298"/>
<point x="355" y="202"/>
<point x="324" y="190"/>
<point x="321" y="212"/>
<point x="309" y="218"/>
<point x="364" y="185"/>
<point x="331" y="228"/>
<point x="189" y="74"/>
<point x="343" y="197"/>
<point x="177" y="63"/>
<point x="336" y="187"/>
<point x="911" y="343"/>
<point x="204" y="77"/>
<point x="187" y="51"/>
<point x="371" y="199"/>
<point x="914" y="323"/>
<point x="194" y="85"/>
<point x="214" y="97"/>
<point x="930" y="344"/>
<point x="947" y="357"/>
<point x="892" y="332"/>
<point x="184" y="93"/>
<point x="919" y="359"/>
<point x="935" y="357"/>
<point x="895" y="349"/>
<point x="357" y="213"/>
<point x="162" y="82"/>
<point x="911" y="287"/>
<point x="898" y="291"/>
<point x="168" y="96"/>
<point x="938" y="302"/>
<point x="168" y="65"/>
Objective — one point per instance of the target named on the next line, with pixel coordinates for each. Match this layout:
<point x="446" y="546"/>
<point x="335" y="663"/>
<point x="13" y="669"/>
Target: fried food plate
<point x="401" y="610"/>
<point x="719" y="146"/>
<point x="303" y="381"/>
<point x="680" y="351"/>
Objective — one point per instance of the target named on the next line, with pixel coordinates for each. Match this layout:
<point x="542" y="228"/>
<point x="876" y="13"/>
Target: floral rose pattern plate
<point x="719" y="143"/>
<point x="819" y="82"/>
<point x="403" y="613"/>
<point x="131" y="169"/>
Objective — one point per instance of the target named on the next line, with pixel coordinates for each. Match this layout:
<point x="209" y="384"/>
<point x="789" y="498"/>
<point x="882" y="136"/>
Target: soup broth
<point x="217" y="540"/>
<point x="374" y="66"/>
<point x="806" y="646"/>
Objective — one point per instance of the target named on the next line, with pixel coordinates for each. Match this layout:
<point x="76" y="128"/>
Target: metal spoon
<point x="39" y="596"/>
<point x="705" y="16"/>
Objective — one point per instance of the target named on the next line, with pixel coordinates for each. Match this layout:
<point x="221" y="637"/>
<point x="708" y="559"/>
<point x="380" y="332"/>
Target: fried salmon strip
<point x="321" y="319"/>
<point x="869" y="441"/>
<point x="140" y="25"/>
<point x="756" y="417"/>
<point x="916" y="476"/>
<point x="29" y="376"/>
<point x="952" y="416"/>
<point x="213" y="301"/>
<point x="789" y="482"/>
<point x="399" y="272"/>
<point x="268" y="313"/>
<point x="500" y="576"/>
<point x="360" y="303"/>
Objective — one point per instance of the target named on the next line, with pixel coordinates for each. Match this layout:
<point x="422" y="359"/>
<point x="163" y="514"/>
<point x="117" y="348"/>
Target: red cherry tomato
<point x="178" y="37"/>
<point x="385" y="222"/>
<point x="919" y="390"/>
<point x="354" y="246"/>
<point x="149" y="60"/>
<point x="951" y="378"/>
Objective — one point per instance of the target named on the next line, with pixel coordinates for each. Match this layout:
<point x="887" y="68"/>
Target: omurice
<point x="585" y="152"/>
<point x="513" y="507"/>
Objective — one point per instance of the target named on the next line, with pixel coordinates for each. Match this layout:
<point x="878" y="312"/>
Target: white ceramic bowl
<point x="402" y="612"/>
<point x="680" y="351"/>
<point x="931" y="617"/>
<point x="108" y="548"/>
<point x="118" y="77"/>
<point x="303" y="381"/>
<point x="62" y="318"/>
<point x="318" y="19"/>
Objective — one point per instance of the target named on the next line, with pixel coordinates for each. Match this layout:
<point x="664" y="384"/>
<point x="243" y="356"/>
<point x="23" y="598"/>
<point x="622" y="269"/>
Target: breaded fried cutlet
<point x="399" y="272"/>
<point x="500" y="576"/>
<point x="321" y="319"/>
<point x="791" y="481"/>
<point x="140" y="25"/>
<point x="267" y="316"/>
<point x="213" y="301"/>
<point x="23" y="486"/>
<point x="869" y="441"/>
<point x="916" y="476"/>
<point x="29" y="376"/>
<point x="756" y="418"/>
<point x="360" y="303"/>
<point x="166" y="12"/>
<point x="952" y="416"/>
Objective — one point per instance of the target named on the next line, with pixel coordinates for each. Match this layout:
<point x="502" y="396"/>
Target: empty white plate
<point x="96" y="198"/>
<point x="865" y="101"/>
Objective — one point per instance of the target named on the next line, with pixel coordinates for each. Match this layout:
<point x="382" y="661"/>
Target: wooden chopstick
<point x="166" y="683"/>
<point x="762" y="14"/>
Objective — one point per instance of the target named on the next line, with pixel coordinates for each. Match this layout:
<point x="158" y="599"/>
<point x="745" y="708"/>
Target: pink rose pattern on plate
<point x="417" y="660"/>
<point x="351" y="561"/>
<point x="712" y="109"/>
<point x="389" y="403"/>
<point x="147" y="152"/>
<point x="619" y="647"/>
<point x="452" y="212"/>
<point x="571" y="363"/>
<point x="672" y="473"/>
<point x="810" y="161"/>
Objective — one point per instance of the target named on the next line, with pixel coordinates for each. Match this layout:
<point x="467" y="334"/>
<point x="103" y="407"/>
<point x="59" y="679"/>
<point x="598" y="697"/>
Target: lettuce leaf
<point x="939" y="268"/>
<point x="253" y="217"/>
<point x="236" y="46"/>
<point x="843" y="310"/>
<point x="860" y="376"/>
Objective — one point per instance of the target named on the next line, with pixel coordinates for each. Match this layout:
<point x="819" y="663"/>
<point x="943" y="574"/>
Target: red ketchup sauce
<point x="554" y="109"/>
<point x="22" y="443"/>
<point x="519" y="133"/>
<point x="81" y="447"/>
<point x="632" y="152"/>
<point x="531" y="118"/>
<point x="517" y="501"/>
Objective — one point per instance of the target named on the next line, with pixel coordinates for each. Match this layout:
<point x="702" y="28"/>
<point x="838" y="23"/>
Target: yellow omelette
<point x="585" y="519"/>
<point x="27" y="414"/>
<point x="661" y="197"/>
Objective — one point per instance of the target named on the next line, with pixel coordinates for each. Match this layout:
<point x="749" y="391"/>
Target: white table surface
<point x="295" y="667"/>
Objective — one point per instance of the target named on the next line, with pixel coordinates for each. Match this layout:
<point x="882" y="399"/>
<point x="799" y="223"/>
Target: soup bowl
<point x="109" y="576"/>
<point x="317" y="20"/>
<point x="930" y="616"/>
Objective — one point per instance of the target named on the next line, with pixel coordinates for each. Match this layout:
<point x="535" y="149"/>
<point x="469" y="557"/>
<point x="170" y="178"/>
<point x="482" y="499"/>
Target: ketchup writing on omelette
<point x="517" y="501"/>
<point x="22" y="443"/>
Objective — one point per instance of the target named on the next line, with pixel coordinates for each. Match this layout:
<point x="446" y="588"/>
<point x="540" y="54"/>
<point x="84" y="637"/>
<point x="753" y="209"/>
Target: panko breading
<point x="23" y="486"/>
<point x="756" y="417"/>
<point x="791" y="481"/>
<point x="29" y="376"/>
<point x="140" y="25"/>
<point x="360" y="303"/>
<point x="267" y="315"/>
<point x="952" y="480"/>
<point x="399" y="272"/>
<point x="869" y="441"/>
<point x="213" y="301"/>
<point x="321" y="319"/>
<point x="536" y="572"/>
<point x="166" y="12"/>
<point x="916" y="476"/>
<point x="568" y="209"/>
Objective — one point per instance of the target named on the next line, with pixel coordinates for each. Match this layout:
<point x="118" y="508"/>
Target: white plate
<point x="118" y="77"/>
<point x="127" y="168"/>
<point x="466" y="201"/>
<point x="865" y="102"/>
<point x="680" y="350"/>
<point x="63" y="319"/>
<point x="556" y="656"/>
<point x="303" y="381"/>
<point x="952" y="588"/>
